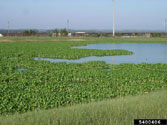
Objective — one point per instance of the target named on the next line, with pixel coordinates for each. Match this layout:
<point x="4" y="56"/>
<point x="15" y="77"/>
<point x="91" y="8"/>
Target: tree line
<point x="55" y="32"/>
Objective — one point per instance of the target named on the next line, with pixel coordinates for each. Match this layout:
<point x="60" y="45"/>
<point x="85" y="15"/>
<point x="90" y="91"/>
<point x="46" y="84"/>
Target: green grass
<point x="120" y="111"/>
<point x="86" y="39"/>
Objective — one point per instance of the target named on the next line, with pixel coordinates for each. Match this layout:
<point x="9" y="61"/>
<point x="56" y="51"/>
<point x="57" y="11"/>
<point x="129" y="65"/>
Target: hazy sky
<point x="83" y="14"/>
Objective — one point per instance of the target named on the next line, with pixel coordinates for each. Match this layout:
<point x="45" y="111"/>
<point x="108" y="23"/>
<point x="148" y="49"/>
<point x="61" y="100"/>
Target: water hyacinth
<point x="61" y="84"/>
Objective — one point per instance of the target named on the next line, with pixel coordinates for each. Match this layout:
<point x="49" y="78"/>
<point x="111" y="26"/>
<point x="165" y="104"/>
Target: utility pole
<point x="68" y="25"/>
<point x="165" y="24"/>
<point x="8" y="27"/>
<point x="113" y="18"/>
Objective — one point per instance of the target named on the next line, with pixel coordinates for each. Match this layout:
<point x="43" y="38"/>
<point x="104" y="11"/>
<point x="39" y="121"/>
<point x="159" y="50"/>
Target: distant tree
<point x="64" y="32"/>
<point x="29" y="33"/>
<point x="55" y="32"/>
<point x="105" y="34"/>
<point x="156" y="34"/>
<point x="98" y="34"/>
<point x="95" y="35"/>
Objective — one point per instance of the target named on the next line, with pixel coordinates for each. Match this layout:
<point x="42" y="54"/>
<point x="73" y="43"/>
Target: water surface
<point x="143" y="53"/>
<point x="21" y="69"/>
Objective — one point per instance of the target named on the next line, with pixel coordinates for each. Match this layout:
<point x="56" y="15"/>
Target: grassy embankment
<point x="120" y="111"/>
<point x="86" y="39"/>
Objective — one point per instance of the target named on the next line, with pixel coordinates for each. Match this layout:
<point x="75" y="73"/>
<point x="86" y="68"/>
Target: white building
<point x="69" y="34"/>
<point x="80" y="33"/>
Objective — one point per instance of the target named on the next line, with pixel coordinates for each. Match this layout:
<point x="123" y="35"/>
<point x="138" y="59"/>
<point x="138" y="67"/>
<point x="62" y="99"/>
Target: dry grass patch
<point x="6" y="40"/>
<point x="76" y="40"/>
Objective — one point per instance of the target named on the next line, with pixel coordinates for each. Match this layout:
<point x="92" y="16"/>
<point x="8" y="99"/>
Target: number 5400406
<point x="149" y="122"/>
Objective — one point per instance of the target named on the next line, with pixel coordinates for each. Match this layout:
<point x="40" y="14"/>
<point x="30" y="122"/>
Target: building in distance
<point x="81" y="34"/>
<point x="1" y="35"/>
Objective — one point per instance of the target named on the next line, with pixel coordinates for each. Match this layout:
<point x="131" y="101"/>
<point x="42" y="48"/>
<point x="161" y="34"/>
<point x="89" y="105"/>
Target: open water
<point x="143" y="53"/>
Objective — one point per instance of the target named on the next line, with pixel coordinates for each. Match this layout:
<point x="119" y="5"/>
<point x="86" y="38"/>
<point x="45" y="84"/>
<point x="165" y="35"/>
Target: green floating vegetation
<point x="47" y="85"/>
<point x="57" y="50"/>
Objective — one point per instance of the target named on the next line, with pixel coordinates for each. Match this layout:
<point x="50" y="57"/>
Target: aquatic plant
<point x="60" y="84"/>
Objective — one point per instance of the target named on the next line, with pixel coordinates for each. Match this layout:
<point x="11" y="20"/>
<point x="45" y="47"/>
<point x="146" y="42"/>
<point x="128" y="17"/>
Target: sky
<point x="83" y="14"/>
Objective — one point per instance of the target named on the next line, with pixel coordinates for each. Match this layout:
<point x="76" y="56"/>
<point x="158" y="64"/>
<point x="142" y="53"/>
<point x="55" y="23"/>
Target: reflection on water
<point x="108" y="69"/>
<point x="24" y="69"/>
<point x="143" y="53"/>
<point x="21" y="69"/>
